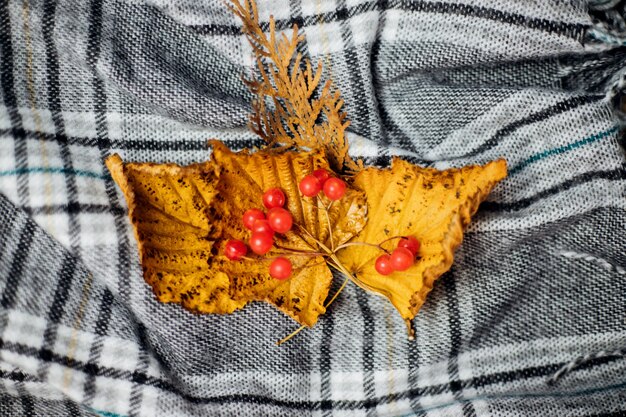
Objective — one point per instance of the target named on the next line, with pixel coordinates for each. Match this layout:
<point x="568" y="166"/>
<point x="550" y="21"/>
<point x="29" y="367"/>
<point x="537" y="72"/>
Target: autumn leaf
<point x="167" y="205"/>
<point x="433" y="206"/>
<point x="183" y="217"/>
<point x="243" y="179"/>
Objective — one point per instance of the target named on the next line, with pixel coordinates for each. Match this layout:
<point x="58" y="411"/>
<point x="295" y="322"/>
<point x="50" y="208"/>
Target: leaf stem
<point x="296" y="252"/>
<point x="345" y="245"/>
<point x="391" y="238"/>
<point x="330" y="228"/>
<point x="340" y="267"/>
<point x="321" y="245"/>
<point x="334" y="297"/>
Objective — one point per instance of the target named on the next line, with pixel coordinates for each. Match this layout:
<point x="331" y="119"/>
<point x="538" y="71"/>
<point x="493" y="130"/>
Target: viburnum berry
<point x="310" y="186"/>
<point x="383" y="265"/>
<point x="262" y="226"/>
<point x="250" y="216"/>
<point x="410" y="243"/>
<point x="280" y="220"/>
<point x="322" y="175"/>
<point x="280" y="268"/>
<point x="261" y="243"/>
<point x="334" y="188"/>
<point x="235" y="250"/>
<point x="274" y="197"/>
<point x="401" y="259"/>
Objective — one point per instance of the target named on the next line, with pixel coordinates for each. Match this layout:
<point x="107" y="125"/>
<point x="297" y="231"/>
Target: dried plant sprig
<point x="287" y="81"/>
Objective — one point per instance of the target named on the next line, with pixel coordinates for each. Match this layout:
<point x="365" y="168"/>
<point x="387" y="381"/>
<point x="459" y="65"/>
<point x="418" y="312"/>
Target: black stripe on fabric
<point x="104" y="316"/>
<point x="66" y="277"/>
<point x="413" y="373"/>
<point x="338" y="15"/>
<point x="614" y="414"/>
<point x="612" y="175"/>
<point x="54" y="103"/>
<point x="10" y="217"/>
<point x="7" y="83"/>
<point x="18" y="263"/>
<point x="381" y="159"/>
<point x="57" y="308"/>
<point x="26" y="400"/>
<point x="326" y="365"/>
<point x="556" y="109"/>
<point x="391" y="129"/>
<point x="101" y="328"/>
<point x="17" y="376"/>
<point x="7" y="86"/>
<point x="367" y="355"/>
<point x="138" y="145"/>
<point x="216" y="30"/>
<point x="94" y="370"/>
<point x="295" y="12"/>
<point x="72" y="408"/>
<point x="75" y="208"/>
<point x="99" y="98"/>
<point x="100" y="108"/>
<point x="357" y="84"/>
<point x="571" y="30"/>
<point x="134" y="403"/>
<point x="454" y="321"/>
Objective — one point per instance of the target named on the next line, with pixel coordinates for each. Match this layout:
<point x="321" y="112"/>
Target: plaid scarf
<point x="538" y="282"/>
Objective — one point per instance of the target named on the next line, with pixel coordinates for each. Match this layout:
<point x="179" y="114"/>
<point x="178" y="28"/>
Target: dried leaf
<point x="183" y="217"/>
<point x="244" y="177"/>
<point x="167" y="205"/>
<point x="434" y="206"/>
<point x="286" y="111"/>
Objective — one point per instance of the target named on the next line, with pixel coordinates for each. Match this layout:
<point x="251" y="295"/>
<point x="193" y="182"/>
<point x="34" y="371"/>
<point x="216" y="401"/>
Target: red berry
<point x="280" y="220"/>
<point x="262" y="226"/>
<point x="410" y="243"/>
<point x="401" y="259"/>
<point x="322" y="175"/>
<point x="334" y="188"/>
<point x="273" y="197"/>
<point x="261" y="243"/>
<point x="235" y="250"/>
<point x="250" y="216"/>
<point x="280" y="268"/>
<point x="310" y="186"/>
<point x="383" y="265"/>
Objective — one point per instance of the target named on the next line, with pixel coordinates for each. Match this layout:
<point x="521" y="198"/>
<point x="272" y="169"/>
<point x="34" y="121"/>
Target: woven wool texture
<point x="537" y="282"/>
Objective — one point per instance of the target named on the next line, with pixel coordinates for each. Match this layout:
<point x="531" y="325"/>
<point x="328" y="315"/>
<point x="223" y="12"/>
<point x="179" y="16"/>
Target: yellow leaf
<point x="167" y="206"/>
<point x="183" y="217"/>
<point x="433" y="206"/>
<point x="243" y="179"/>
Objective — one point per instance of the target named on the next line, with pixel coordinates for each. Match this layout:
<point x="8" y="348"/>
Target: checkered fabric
<point x="538" y="281"/>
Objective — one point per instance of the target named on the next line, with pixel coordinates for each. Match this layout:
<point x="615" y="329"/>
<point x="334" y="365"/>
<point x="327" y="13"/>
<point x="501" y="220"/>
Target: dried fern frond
<point x="295" y="118"/>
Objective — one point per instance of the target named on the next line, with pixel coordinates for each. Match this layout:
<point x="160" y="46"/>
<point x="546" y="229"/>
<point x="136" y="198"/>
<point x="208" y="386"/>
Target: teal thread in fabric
<point x="563" y="149"/>
<point x="513" y="171"/>
<point x="106" y="413"/>
<point x="607" y="38"/>
<point x="52" y="170"/>
<point x="526" y="395"/>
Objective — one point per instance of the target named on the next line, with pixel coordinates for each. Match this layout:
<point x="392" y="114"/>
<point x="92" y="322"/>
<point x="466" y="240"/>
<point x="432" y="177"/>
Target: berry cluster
<point x="401" y="259"/>
<point x="320" y="180"/>
<point x="278" y="220"/>
<point x="263" y="227"/>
